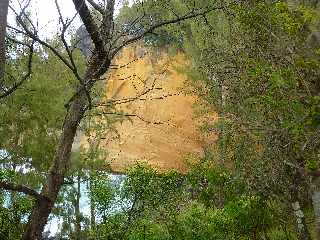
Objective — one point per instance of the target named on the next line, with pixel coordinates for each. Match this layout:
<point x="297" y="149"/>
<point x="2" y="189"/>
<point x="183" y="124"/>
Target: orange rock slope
<point x="149" y="90"/>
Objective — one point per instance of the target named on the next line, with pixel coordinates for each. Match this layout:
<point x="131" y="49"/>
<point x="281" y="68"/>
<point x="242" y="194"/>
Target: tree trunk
<point x="40" y="213"/>
<point x="42" y="209"/>
<point x="302" y="230"/>
<point x="92" y="208"/>
<point x="4" y="5"/>
<point x="77" y="210"/>
<point x="315" y="188"/>
<point x="303" y="233"/>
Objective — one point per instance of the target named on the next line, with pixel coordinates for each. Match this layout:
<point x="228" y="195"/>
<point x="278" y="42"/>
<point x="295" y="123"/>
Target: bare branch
<point x="34" y="36"/>
<point x="136" y="98"/>
<point x="162" y="24"/>
<point x="23" y="189"/>
<point x="130" y="115"/>
<point x="124" y="65"/>
<point x="65" y="26"/>
<point x="27" y="75"/>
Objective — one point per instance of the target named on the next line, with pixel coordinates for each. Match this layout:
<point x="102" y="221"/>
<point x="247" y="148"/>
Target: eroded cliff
<point x="148" y="88"/>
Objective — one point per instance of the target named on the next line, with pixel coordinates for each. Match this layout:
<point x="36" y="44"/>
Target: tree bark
<point x="98" y="64"/>
<point x="4" y="5"/>
<point x="315" y="188"/>
<point x="302" y="230"/>
<point x="303" y="233"/>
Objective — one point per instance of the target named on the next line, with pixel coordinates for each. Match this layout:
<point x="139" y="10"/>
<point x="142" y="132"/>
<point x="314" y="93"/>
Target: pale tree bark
<point x="4" y="5"/>
<point x="315" y="189"/>
<point x="303" y="233"/>
<point x="301" y="226"/>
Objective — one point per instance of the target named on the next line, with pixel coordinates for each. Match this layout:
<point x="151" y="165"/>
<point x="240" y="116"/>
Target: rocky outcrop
<point x="148" y="88"/>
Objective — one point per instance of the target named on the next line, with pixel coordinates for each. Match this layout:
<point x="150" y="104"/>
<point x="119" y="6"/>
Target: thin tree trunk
<point x="4" y="5"/>
<point x="222" y="134"/>
<point x="77" y="209"/>
<point x="302" y="230"/>
<point x="92" y="209"/>
<point x="315" y="187"/>
<point x="303" y="233"/>
<point x="42" y="209"/>
<point x="40" y="213"/>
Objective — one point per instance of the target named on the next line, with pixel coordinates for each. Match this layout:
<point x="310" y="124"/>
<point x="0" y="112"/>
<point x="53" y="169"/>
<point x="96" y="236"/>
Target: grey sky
<point x="44" y="13"/>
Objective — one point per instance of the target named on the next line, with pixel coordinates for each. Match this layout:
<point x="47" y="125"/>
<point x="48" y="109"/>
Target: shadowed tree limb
<point x="21" y="188"/>
<point x="96" y="6"/>
<point x="90" y="25"/>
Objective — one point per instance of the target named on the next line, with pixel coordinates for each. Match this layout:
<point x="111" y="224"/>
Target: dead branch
<point x="124" y="65"/>
<point x="34" y="36"/>
<point x="131" y="115"/>
<point x="136" y="98"/>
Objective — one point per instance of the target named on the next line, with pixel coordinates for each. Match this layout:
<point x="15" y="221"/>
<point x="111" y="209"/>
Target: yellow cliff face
<point x="162" y="129"/>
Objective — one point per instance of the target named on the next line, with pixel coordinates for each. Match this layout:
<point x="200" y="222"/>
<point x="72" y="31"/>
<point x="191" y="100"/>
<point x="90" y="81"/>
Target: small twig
<point x="162" y="24"/>
<point x="26" y="76"/>
<point x="65" y="26"/>
<point x="124" y="65"/>
<point x="130" y="115"/>
<point x="128" y="100"/>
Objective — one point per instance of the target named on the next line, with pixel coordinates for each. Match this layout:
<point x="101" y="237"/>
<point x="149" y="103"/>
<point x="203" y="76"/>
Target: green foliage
<point x="151" y="217"/>
<point x="257" y="73"/>
<point x="101" y="193"/>
<point x="239" y="219"/>
<point x="14" y="211"/>
<point x="33" y="116"/>
<point x="249" y="63"/>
